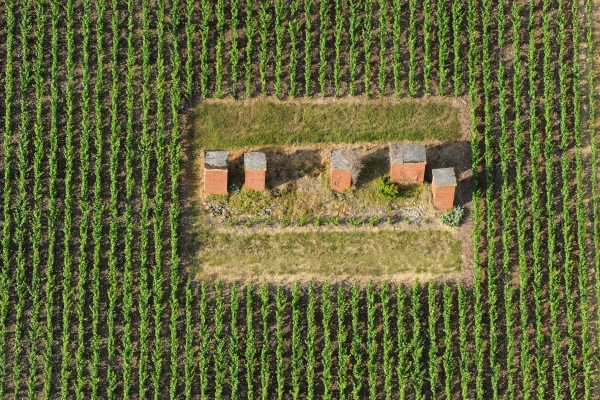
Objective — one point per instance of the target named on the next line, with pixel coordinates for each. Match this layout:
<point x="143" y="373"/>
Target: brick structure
<point x="341" y="170"/>
<point x="443" y="187"/>
<point x="215" y="172"/>
<point x="255" y="168"/>
<point x="341" y="179"/>
<point x="407" y="163"/>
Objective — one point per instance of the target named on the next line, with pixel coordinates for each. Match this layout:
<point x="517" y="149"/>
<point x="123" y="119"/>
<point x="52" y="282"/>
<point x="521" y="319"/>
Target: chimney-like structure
<point x="443" y="187"/>
<point x="341" y="170"/>
<point x="407" y="163"/>
<point x="255" y="168"/>
<point x="215" y="172"/>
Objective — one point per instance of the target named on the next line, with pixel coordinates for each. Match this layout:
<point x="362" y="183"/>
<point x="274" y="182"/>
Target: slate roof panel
<point x="215" y="159"/>
<point x="255" y="161"/>
<point x="409" y="153"/>
<point x="444" y="177"/>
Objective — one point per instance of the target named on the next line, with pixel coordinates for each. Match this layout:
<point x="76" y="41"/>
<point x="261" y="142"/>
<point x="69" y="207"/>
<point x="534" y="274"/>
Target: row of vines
<point x="76" y="306"/>
<point x="366" y="333"/>
<point x="329" y="47"/>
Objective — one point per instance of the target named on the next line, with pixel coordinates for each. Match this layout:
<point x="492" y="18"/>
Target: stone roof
<point x="408" y="153"/>
<point x="255" y="161"/>
<point x="444" y="177"/>
<point x="215" y="159"/>
<point x="341" y="159"/>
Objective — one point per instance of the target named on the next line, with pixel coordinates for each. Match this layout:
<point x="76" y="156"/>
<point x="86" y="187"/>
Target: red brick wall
<point x="340" y="180"/>
<point x="443" y="197"/>
<point x="255" y="180"/>
<point x="407" y="173"/>
<point x="215" y="181"/>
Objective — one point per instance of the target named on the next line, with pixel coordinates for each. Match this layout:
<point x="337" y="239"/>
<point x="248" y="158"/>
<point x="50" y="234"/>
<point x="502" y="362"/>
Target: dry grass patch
<point x="359" y="254"/>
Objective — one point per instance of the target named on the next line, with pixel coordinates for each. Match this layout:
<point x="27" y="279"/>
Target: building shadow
<point x="457" y="155"/>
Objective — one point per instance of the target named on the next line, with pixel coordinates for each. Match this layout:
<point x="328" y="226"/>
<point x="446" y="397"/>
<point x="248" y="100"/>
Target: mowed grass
<point x="360" y="253"/>
<point x="218" y="125"/>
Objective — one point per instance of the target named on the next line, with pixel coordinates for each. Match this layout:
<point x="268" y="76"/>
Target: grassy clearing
<point x="360" y="253"/>
<point x="265" y="123"/>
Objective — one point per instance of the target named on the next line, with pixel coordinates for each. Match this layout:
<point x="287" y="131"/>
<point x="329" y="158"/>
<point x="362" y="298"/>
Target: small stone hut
<point x="255" y="169"/>
<point x="345" y="168"/>
<point x="443" y="187"/>
<point x="407" y="163"/>
<point x="215" y="172"/>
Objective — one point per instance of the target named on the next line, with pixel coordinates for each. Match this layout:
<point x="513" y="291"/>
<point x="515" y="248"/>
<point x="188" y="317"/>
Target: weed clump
<point x="452" y="217"/>
<point x="355" y="222"/>
<point x="374" y="221"/>
<point x="248" y="201"/>
<point x="285" y="221"/>
<point x="302" y="221"/>
<point x="386" y="188"/>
